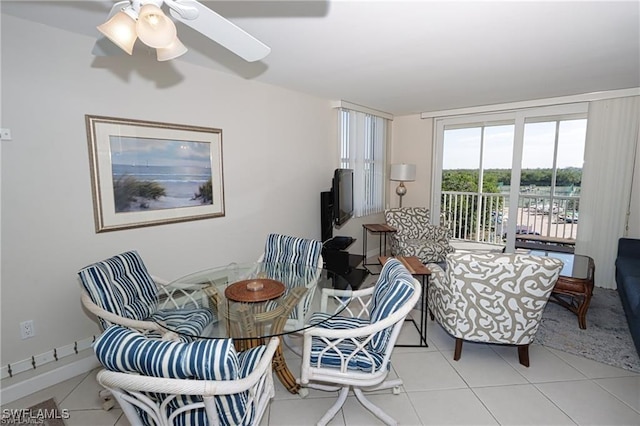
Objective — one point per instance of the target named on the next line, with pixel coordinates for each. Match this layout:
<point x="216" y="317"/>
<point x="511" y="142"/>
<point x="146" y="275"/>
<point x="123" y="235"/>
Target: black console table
<point x="342" y="264"/>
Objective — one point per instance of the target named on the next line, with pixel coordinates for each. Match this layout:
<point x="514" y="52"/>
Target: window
<point x="505" y="174"/>
<point x="363" y="139"/>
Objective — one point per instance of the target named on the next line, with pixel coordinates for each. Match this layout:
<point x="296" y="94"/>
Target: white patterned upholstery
<point x="202" y="382"/>
<point x="492" y="298"/>
<point x="120" y="290"/>
<point x="354" y="352"/>
<point x="415" y="236"/>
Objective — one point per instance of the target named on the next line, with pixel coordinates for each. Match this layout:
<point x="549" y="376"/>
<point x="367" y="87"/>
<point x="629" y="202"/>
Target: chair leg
<point x="331" y="413"/>
<point x="374" y="409"/>
<point x="458" y="351"/>
<point x="523" y="355"/>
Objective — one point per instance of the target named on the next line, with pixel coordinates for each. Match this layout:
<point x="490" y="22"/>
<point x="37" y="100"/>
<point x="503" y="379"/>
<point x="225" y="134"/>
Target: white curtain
<point x="612" y="141"/>
<point x="363" y="144"/>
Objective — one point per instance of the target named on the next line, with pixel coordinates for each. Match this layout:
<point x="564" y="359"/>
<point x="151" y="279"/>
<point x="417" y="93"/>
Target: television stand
<point x="342" y="265"/>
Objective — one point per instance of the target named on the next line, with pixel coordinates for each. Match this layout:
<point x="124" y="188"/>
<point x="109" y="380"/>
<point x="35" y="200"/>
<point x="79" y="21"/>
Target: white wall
<point x="278" y="154"/>
<point x="412" y="144"/>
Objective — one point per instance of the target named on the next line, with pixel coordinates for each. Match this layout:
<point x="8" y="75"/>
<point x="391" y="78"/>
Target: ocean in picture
<point x="136" y="187"/>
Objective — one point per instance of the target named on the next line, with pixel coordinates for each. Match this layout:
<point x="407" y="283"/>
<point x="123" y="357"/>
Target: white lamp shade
<point x="403" y="172"/>
<point x="154" y="28"/>
<point x="120" y="29"/>
<point x="172" y="51"/>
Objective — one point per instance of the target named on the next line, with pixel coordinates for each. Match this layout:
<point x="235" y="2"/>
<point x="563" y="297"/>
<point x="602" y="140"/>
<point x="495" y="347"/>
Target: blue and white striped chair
<point x="292" y="259"/>
<point x="203" y="382"/>
<point x="354" y="352"/>
<point x="120" y="290"/>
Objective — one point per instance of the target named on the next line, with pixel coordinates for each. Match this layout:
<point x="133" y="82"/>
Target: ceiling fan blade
<point x="223" y="32"/>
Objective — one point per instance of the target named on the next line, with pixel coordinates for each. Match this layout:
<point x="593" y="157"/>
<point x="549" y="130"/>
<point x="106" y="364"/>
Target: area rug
<point x="607" y="338"/>
<point x="45" y="413"/>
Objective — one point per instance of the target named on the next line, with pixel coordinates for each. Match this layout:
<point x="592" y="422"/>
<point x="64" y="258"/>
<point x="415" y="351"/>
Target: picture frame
<point x="146" y="173"/>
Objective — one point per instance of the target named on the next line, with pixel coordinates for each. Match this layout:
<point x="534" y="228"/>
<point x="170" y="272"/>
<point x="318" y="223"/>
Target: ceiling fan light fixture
<point x="120" y="29"/>
<point x="172" y="51"/>
<point x="154" y="28"/>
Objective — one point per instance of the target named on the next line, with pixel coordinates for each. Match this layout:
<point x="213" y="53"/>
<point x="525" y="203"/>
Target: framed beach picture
<point x="147" y="173"/>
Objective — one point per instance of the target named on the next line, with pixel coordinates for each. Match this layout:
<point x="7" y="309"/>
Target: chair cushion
<point x="286" y="249"/>
<point x="325" y="320"/>
<point x="121" y="285"/>
<point x="393" y="289"/>
<point x="186" y="322"/>
<point x="124" y="350"/>
<point x="416" y="236"/>
<point x="289" y="259"/>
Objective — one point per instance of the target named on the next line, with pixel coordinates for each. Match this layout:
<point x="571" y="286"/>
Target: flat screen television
<point x="342" y="189"/>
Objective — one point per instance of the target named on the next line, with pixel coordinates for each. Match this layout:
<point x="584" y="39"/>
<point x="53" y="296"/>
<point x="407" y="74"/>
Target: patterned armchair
<point x="204" y="382"/>
<point x="353" y="350"/>
<point x="415" y="236"/>
<point x="492" y="298"/>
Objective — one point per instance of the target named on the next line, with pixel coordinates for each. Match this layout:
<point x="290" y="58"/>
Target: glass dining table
<point x="255" y="301"/>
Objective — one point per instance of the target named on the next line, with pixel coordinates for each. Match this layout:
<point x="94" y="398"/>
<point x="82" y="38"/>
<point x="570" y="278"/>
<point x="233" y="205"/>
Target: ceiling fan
<point x="144" y="19"/>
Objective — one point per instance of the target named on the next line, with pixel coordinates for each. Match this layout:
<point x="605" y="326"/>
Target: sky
<point x="462" y="146"/>
<point x="159" y="152"/>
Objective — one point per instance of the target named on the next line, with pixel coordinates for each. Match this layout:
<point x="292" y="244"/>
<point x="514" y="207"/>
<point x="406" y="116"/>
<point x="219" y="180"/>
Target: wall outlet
<point x="5" y="134"/>
<point x="27" y="329"/>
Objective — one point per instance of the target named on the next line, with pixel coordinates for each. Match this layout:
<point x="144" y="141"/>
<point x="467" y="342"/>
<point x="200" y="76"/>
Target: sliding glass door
<point x="524" y="165"/>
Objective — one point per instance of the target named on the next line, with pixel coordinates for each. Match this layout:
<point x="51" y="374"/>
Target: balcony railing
<point x="484" y="217"/>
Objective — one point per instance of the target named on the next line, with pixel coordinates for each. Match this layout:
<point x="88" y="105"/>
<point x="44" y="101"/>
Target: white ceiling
<point x="407" y="57"/>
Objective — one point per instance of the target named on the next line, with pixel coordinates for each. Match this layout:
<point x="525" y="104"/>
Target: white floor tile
<point x="591" y="368"/>
<point x="450" y="407"/>
<point x="479" y="366"/>
<point x="544" y="365"/>
<point x="95" y="417"/>
<point x="425" y="371"/>
<point x="521" y="405"/>
<point x="626" y="389"/>
<point x="85" y="395"/>
<point x="589" y="404"/>
<point x="302" y="412"/>
<point x="399" y="407"/>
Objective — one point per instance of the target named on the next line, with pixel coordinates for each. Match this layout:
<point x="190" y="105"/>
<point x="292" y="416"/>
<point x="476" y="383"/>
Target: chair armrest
<point x="629" y="247"/>
<point x="142" y="326"/>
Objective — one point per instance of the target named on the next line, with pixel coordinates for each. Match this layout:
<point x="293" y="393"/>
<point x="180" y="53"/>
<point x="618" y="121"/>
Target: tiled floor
<point x="487" y="386"/>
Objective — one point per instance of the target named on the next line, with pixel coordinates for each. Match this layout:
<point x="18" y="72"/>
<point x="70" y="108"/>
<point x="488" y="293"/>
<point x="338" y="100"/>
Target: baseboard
<point x="49" y="378"/>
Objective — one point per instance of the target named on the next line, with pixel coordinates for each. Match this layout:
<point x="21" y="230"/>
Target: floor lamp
<point x="402" y="173"/>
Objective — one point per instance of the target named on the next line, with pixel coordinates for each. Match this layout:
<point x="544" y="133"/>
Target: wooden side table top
<point x="379" y="227"/>
<point x="412" y="263"/>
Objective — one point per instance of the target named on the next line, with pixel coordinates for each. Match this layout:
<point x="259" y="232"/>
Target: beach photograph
<point x="156" y="174"/>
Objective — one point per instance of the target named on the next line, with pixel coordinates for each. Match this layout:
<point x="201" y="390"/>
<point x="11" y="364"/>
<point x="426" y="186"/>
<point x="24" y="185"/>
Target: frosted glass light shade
<point x="120" y="29"/>
<point x="403" y="172"/>
<point x="154" y="28"/>
<point x="172" y="51"/>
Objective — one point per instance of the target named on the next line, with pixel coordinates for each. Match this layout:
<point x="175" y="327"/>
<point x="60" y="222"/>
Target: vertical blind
<point x="362" y="148"/>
